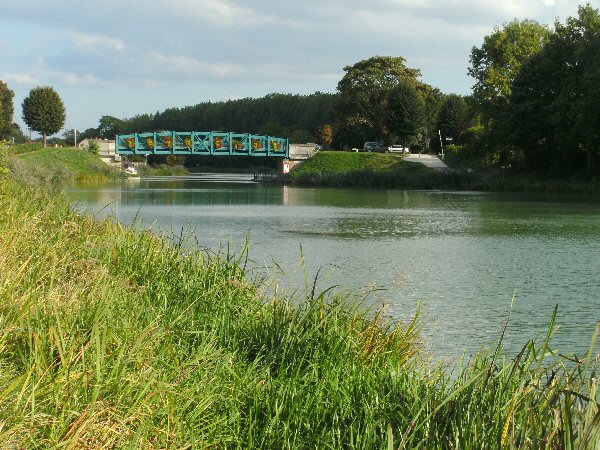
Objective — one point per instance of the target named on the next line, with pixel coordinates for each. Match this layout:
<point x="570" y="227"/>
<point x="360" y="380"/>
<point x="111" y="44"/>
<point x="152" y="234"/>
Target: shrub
<point x="94" y="147"/>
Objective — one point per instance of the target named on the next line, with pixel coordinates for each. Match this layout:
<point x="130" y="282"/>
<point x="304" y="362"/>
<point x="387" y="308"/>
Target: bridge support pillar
<point x="284" y="166"/>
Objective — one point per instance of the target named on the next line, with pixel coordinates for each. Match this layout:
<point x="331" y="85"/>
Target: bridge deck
<point x="201" y="143"/>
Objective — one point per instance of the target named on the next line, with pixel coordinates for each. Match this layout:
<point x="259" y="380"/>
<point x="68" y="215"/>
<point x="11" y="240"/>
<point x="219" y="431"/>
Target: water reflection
<point x="462" y="254"/>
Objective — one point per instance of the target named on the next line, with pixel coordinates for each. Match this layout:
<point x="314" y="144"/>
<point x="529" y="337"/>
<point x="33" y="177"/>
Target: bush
<point x="94" y="148"/>
<point x="26" y="148"/>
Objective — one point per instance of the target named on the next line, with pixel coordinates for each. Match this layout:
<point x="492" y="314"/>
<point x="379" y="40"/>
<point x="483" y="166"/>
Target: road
<point x="429" y="160"/>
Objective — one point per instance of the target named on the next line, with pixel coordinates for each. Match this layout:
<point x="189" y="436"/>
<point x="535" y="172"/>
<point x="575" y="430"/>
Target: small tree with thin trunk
<point x="44" y="111"/>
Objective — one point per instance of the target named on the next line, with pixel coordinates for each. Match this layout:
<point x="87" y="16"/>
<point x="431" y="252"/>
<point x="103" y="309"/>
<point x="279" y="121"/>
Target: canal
<point x="460" y="255"/>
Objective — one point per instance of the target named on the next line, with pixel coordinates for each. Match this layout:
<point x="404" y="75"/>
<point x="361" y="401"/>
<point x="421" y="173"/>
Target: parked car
<point x="374" y="147"/>
<point x="397" y="148"/>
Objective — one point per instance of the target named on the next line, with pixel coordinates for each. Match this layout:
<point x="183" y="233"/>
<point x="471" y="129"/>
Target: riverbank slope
<point x="55" y="165"/>
<point x="377" y="170"/>
<point x="382" y="170"/>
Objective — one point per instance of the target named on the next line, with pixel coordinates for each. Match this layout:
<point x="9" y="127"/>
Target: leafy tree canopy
<point x="495" y="64"/>
<point x="109" y="127"/>
<point x="452" y="119"/>
<point x="44" y="111"/>
<point x="364" y="91"/>
<point x="6" y="110"/>
<point x="553" y="110"/>
<point x="406" y="112"/>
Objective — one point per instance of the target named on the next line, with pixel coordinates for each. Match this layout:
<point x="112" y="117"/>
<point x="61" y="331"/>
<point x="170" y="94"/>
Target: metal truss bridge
<point x="201" y="143"/>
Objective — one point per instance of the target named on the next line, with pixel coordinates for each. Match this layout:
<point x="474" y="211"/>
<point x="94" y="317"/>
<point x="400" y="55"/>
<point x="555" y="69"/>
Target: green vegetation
<point x="383" y="170"/>
<point x="44" y="111"/>
<point x="297" y="117"/>
<point x="35" y="164"/>
<point x="162" y="170"/>
<point x="534" y="95"/>
<point x="380" y="99"/>
<point x="6" y="110"/>
<point x="114" y="338"/>
<point x="378" y="170"/>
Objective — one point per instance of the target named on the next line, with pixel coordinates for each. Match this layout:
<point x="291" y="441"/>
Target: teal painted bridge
<point x="201" y="143"/>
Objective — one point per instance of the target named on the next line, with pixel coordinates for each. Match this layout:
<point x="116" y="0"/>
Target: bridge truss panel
<point x="201" y="143"/>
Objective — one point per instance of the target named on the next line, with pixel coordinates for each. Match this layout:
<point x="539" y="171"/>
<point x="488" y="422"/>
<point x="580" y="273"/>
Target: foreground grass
<point x="113" y="338"/>
<point x="56" y="165"/>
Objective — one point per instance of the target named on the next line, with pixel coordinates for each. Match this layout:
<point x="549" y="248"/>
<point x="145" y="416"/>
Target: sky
<point x="127" y="57"/>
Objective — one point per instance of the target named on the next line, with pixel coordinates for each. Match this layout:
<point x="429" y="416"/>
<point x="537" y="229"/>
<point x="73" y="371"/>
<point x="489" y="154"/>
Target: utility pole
<point x="441" y="144"/>
<point x="75" y="136"/>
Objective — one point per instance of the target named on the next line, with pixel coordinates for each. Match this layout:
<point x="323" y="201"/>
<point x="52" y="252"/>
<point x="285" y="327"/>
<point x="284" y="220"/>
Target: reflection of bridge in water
<point x="201" y="143"/>
<point x="208" y="177"/>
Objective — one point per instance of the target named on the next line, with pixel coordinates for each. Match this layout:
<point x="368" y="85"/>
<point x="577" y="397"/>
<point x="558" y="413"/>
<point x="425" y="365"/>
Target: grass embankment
<point x="113" y="338"/>
<point x="382" y="170"/>
<point x="391" y="171"/>
<point x="55" y="165"/>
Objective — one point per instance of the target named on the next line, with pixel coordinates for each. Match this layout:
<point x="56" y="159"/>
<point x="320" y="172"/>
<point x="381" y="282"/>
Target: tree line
<point x="534" y="104"/>
<point x="536" y="96"/>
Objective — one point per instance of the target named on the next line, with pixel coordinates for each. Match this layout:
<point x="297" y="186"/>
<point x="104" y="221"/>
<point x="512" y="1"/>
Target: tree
<point x="364" y="91"/>
<point x="44" y="111"/>
<point x="405" y="113"/>
<point x="325" y="135"/>
<point x="72" y="135"/>
<point x="552" y="112"/>
<point x="6" y="110"/>
<point x="90" y="133"/>
<point x="109" y="126"/>
<point x="452" y="119"/>
<point x="16" y="134"/>
<point x="498" y="61"/>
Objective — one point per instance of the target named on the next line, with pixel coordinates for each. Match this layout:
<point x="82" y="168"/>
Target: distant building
<point x="106" y="147"/>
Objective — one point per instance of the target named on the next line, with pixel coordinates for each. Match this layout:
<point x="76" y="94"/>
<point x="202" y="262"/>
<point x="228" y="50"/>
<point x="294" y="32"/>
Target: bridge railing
<point x="201" y="143"/>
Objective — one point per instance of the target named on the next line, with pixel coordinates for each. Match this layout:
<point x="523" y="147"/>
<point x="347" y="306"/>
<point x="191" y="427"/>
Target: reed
<point x="114" y="338"/>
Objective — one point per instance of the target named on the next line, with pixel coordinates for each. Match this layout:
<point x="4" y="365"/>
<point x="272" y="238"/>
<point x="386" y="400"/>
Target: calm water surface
<point x="461" y="255"/>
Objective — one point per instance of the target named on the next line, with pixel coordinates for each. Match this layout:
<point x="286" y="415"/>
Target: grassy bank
<point x="55" y="165"/>
<point x="113" y="338"/>
<point x="380" y="170"/>
<point x="377" y="170"/>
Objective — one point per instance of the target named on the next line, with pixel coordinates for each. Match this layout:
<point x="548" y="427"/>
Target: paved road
<point x="429" y="160"/>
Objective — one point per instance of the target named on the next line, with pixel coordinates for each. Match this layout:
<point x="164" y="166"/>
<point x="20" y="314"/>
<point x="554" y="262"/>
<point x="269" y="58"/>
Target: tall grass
<point x="116" y="339"/>
<point x="56" y="165"/>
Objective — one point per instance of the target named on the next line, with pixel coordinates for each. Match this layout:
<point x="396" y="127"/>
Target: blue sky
<point x="128" y="57"/>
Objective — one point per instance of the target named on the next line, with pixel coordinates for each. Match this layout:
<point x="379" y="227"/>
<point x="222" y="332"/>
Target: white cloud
<point x="191" y="67"/>
<point x="73" y="79"/>
<point x="20" y="78"/>
<point x="83" y="40"/>
<point x="213" y="13"/>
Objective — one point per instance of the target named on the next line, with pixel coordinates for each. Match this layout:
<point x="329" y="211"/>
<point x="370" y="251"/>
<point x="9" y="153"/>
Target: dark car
<point x="374" y="147"/>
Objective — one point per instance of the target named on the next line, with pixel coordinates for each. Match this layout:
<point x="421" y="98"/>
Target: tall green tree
<point x="44" y="111"/>
<point x="553" y="110"/>
<point x="498" y="61"/>
<point x="453" y="116"/>
<point x="109" y="127"/>
<point x="6" y="110"/>
<point x="364" y="92"/>
<point x="405" y="113"/>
